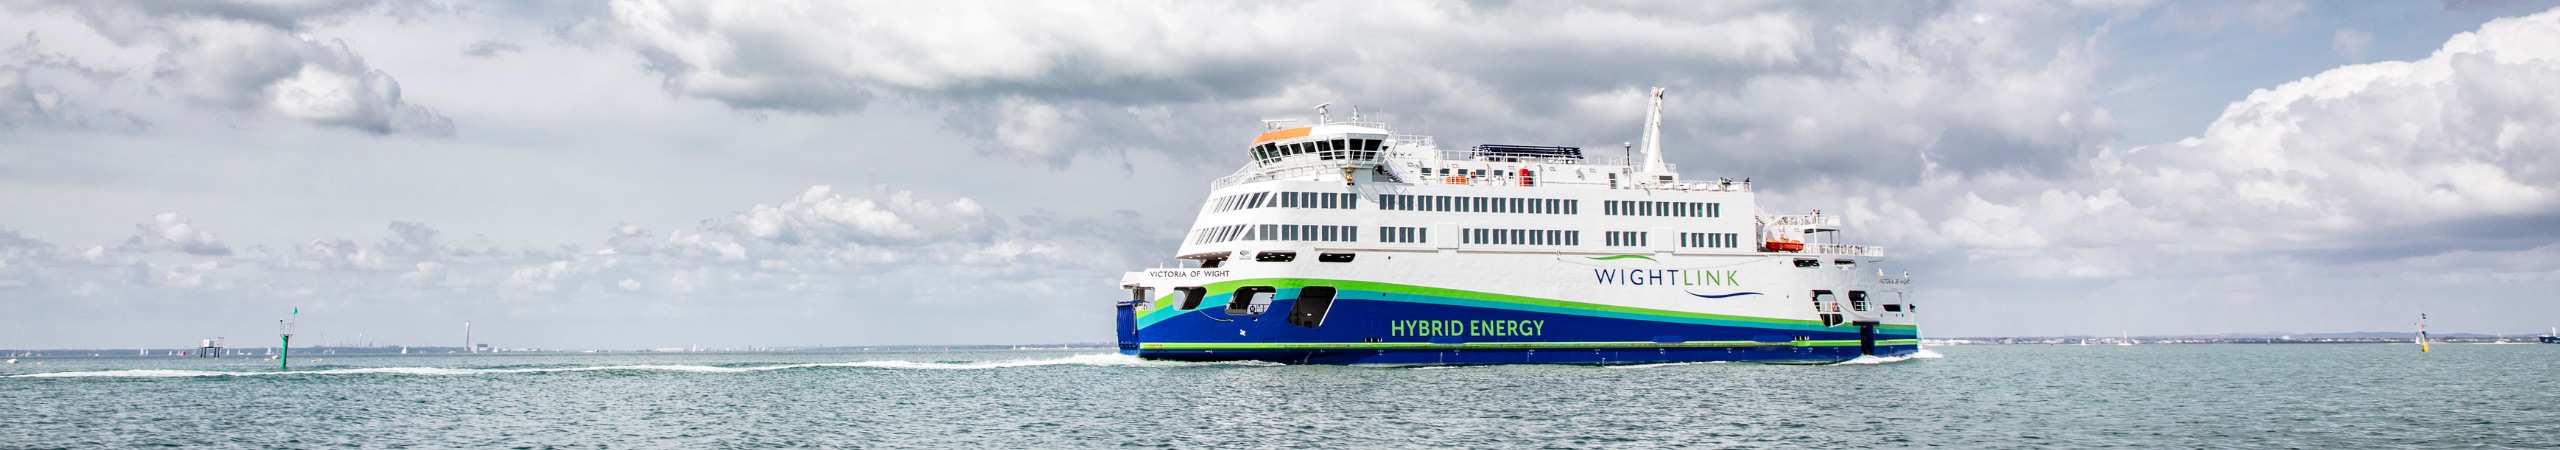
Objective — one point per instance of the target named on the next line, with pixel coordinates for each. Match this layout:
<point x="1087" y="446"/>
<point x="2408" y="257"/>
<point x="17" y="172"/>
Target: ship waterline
<point x="1345" y="243"/>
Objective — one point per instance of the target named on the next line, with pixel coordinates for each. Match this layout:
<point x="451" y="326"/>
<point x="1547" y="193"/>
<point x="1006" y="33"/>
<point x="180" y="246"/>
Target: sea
<point x="1968" y="396"/>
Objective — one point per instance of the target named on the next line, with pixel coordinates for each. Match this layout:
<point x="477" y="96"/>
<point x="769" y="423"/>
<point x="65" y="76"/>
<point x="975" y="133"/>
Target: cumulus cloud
<point x="40" y="89"/>
<point x="168" y="232"/>
<point x="1057" y="82"/>
<point x="2352" y="185"/>
<point x="872" y="251"/>
<point x="260" y="57"/>
<point x="2460" y="134"/>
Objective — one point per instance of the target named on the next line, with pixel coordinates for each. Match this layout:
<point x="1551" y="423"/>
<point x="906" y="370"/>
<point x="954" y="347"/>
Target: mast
<point x="2422" y="333"/>
<point x="1653" y="138"/>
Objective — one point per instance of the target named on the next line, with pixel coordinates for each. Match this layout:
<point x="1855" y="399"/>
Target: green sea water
<point x="2150" y="396"/>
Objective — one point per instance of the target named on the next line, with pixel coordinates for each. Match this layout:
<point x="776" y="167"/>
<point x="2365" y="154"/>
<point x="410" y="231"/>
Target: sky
<point x="664" y="173"/>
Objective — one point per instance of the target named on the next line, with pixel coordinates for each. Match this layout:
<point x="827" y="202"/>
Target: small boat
<point x="2553" y="338"/>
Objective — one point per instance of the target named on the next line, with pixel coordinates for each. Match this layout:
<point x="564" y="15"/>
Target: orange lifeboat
<point x="1784" y="245"/>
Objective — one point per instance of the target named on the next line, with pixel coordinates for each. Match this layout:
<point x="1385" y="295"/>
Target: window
<point x="1891" y="307"/>
<point x="1808" y="262"/>
<point x="1313" y="302"/>
<point x="1626" y="238"/>
<point x="1334" y="257"/>
<point x="1275" y="256"/>
<point x="1858" y="300"/>
<point x="1827" y="307"/>
<point x="1400" y="235"/>
<point x="1845" y="264"/>
<point x="1189" y="296"/>
<point x="1250" y="300"/>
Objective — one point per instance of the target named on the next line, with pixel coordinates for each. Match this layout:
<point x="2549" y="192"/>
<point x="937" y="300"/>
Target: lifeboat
<point x="1784" y="245"/>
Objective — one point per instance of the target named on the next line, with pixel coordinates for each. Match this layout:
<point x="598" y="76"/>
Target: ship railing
<point x="1305" y="168"/>
<point x="1805" y="220"/>
<point x="1412" y="142"/>
<point x="1845" y="249"/>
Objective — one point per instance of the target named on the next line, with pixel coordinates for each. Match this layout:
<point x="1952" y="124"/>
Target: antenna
<point x="1355" y="113"/>
<point x="1321" y="116"/>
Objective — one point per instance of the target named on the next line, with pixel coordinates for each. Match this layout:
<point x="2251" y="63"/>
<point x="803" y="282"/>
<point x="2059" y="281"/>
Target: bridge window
<point x="1335" y="257"/>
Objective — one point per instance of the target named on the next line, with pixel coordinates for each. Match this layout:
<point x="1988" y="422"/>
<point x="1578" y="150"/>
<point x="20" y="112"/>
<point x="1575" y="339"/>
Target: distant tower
<point x="284" y="330"/>
<point x="466" y="337"/>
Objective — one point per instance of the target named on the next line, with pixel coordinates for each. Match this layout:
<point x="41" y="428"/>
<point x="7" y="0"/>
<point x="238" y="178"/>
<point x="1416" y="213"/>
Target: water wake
<point x="1098" y="359"/>
<point x="1873" y="359"/>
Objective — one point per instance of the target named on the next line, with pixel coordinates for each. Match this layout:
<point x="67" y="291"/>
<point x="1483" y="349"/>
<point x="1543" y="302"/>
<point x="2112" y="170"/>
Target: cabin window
<point x="1334" y="257"/>
<point x="1275" y="256"/>
<point x="1350" y="200"/>
<point x="1808" y="262"/>
<point x="1890" y="307"/>
<point x="1313" y="302"/>
<point x="1189" y="296"/>
<point x="1858" y="300"/>
<point x="1330" y="235"/>
<point x="1250" y="300"/>
<point x="1329" y="201"/>
<point x="1845" y="264"/>
<point x="1212" y="262"/>
<point x="1827" y="308"/>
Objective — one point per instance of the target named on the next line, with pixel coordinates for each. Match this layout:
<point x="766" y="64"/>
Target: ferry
<point x="1345" y="242"/>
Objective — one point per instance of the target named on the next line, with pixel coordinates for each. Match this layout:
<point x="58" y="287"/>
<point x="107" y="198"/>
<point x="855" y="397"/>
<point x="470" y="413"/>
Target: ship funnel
<point x="1653" y="137"/>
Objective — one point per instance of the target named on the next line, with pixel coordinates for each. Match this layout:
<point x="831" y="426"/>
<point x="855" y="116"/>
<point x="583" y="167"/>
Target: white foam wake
<point x="1873" y="359"/>
<point x="1096" y="359"/>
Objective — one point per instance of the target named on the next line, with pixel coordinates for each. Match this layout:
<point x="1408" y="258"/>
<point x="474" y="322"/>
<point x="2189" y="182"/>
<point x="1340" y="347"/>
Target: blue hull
<point x="1380" y="328"/>
<point x="1460" y="356"/>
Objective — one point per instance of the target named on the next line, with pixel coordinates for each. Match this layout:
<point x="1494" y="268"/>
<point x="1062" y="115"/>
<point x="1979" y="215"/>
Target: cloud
<point x="2460" y="134"/>
<point x="260" y="57"/>
<point x="168" y="232"/>
<point x="1054" y="83"/>
<point x="490" y="49"/>
<point x="40" y="89"/>
<point x="2350" y="43"/>
<point x="875" y="251"/>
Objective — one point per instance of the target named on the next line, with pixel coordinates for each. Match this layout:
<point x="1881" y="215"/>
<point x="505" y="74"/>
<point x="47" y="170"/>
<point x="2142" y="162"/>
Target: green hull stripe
<point x="1498" y="345"/>
<point x="1453" y="297"/>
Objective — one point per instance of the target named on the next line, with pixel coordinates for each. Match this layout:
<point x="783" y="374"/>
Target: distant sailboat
<point x="2422" y="333"/>
<point x="2125" y="338"/>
